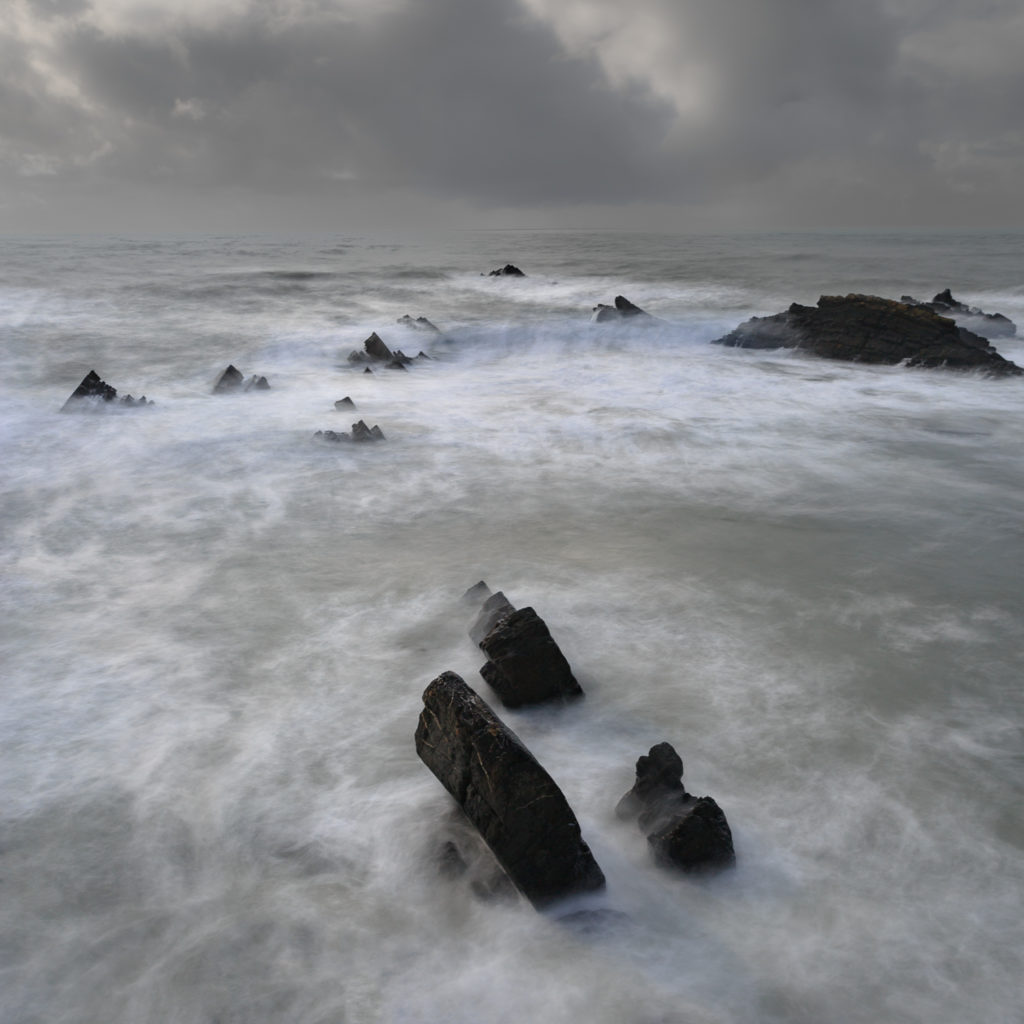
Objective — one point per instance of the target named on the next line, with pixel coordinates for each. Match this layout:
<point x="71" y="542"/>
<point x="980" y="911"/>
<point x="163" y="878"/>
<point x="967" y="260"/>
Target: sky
<point x="267" y="115"/>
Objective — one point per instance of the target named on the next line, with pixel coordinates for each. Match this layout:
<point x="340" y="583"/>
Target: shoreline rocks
<point x="683" y="831"/>
<point x="988" y="325"/>
<point x="512" y="801"/>
<point x="869" y="329"/>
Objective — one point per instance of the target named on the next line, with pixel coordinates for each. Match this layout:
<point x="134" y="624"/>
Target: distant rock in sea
<point x="421" y="323"/>
<point x="509" y="270"/>
<point x="232" y="380"/>
<point x="360" y="433"/>
<point x="869" y="329"/>
<point x="988" y="325"/>
<point x="622" y="310"/>
<point x="94" y="393"/>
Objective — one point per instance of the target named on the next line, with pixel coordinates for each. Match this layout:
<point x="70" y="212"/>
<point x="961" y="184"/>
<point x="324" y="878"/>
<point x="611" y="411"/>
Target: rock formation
<point x="375" y="351"/>
<point x="684" y="831"/>
<point x="509" y="270"/>
<point x="232" y="380"/>
<point x="622" y="310"/>
<point x="94" y="393"/>
<point x="344" y="403"/>
<point x="516" y="806"/>
<point x="869" y="329"/>
<point x="360" y="432"/>
<point x="988" y="325"/>
<point x="421" y="323"/>
<point x="495" y="608"/>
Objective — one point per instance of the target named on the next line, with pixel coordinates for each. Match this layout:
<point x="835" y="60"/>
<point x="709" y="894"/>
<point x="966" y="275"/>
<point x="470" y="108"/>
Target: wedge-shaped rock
<point x="494" y="609"/>
<point x="93" y="392"/>
<point x="515" y="805"/>
<point x="526" y="665"/>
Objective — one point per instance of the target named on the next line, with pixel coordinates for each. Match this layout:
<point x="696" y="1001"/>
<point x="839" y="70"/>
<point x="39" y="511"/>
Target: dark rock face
<point x="344" y="403"/>
<point x="375" y="351"/>
<point x="622" y="310"/>
<point x="93" y="393"/>
<point x="509" y="270"/>
<point x="516" y="806"/>
<point x="494" y="609"/>
<point x="360" y="432"/>
<point x="684" y="831"/>
<point x="232" y="380"/>
<point x="477" y="593"/>
<point x="868" y="329"/>
<point x="526" y="665"/>
<point x="988" y="325"/>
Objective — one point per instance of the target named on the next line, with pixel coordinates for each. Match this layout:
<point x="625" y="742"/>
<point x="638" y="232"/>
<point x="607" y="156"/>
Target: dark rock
<point x="515" y="805"/>
<point x="495" y="608"/>
<point x="398" y="364"/>
<point x="344" y="403"/>
<point x="230" y="380"/>
<point x="526" y="665"/>
<point x="622" y="310"/>
<point x="684" y="831"/>
<point x="988" y="325"/>
<point x="255" y="383"/>
<point x="869" y="329"/>
<point x="360" y="433"/>
<point x="376" y="349"/>
<point x="423" y="355"/>
<point x="93" y="393"/>
<point x="509" y="270"/>
<point x="421" y="323"/>
<point x="367" y="370"/>
<point x="477" y="593"/>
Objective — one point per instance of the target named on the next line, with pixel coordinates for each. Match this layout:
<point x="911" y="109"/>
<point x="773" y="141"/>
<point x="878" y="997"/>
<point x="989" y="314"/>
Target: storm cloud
<point x="753" y="111"/>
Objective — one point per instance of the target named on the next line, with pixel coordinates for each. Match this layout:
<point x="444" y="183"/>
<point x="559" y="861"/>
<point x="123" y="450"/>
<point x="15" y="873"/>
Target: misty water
<point x="216" y="631"/>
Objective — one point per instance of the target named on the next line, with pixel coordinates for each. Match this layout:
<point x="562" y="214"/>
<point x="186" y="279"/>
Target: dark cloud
<point x="824" y="111"/>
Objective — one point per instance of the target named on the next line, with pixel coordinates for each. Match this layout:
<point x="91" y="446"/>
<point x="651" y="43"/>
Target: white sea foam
<point x="216" y="632"/>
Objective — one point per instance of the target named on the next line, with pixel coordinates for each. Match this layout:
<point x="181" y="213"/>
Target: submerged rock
<point x="525" y="664"/>
<point x="869" y="329"/>
<point x="495" y="608"/>
<point x="622" y="310"/>
<point x="232" y="380"/>
<point x="988" y="325"/>
<point x="421" y="323"/>
<point x="513" y="802"/>
<point x="509" y="270"/>
<point x="94" y="393"/>
<point x="684" y="831"/>
<point x="344" y="403"/>
<point x="360" y="432"/>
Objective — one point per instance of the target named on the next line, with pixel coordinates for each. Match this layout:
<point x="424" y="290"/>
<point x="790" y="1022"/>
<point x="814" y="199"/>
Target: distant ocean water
<point x="806" y="575"/>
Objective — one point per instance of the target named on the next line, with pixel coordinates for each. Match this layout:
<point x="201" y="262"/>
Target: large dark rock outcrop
<point x="525" y="664"/>
<point x="684" y="831"/>
<point x="622" y="310"/>
<point x="869" y="329"/>
<point x="509" y="270"/>
<point x="988" y="325"/>
<point x="232" y="379"/>
<point x="360" y="433"/>
<point x="94" y="393"/>
<point x="514" y="803"/>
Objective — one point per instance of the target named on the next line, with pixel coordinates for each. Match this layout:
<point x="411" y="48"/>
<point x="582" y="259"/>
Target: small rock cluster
<point x="94" y="393"/>
<point x="232" y="380"/>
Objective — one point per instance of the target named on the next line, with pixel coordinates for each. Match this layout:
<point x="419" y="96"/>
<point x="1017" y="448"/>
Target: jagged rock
<point x="495" y="608"/>
<point x="683" y="831"/>
<point x="344" y="403"/>
<point x="232" y="380"/>
<point x="622" y="310"/>
<point x="869" y="329"/>
<point x="374" y="350"/>
<point x="423" y="355"/>
<point x="421" y="323"/>
<point x="526" y="665"/>
<point x="513" y="802"/>
<point x="477" y="593"/>
<point x="509" y="270"/>
<point x="360" y="433"/>
<point x="988" y="325"/>
<point x="93" y="393"/>
<point x="367" y="370"/>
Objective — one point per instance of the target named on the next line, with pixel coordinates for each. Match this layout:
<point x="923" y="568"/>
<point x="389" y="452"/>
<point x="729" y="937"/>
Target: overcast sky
<point x="348" y="114"/>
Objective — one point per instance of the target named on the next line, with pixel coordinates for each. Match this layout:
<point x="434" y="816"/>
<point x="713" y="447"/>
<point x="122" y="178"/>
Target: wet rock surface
<point x="684" y="831"/>
<point x="869" y="329"/>
<point x="512" y="801"/>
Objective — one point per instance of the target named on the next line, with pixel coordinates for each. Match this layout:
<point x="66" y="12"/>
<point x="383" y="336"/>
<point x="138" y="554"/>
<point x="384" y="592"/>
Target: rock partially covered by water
<point x="232" y="379"/>
<point x="513" y="802"/>
<point x="869" y="329"/>
<point x="94" y="393"/>
<point x="622" y="310"/>
<point x="509" y="270"/>
<point x="421" y="323"/>
<point x="360" y="432"/>
<point x="988" y="325"/>
<point x="684" y="831"/>
<point x="375" y="351"/>
<point x="525" y="664"/>
<point x="495" y="608"/>
<point x="344" y="403"/>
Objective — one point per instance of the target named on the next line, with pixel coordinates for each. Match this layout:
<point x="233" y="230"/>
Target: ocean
<point x="216" y="630"/>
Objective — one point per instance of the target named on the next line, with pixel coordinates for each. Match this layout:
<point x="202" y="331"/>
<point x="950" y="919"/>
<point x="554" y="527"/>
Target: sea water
<point x="216" y="630"/>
